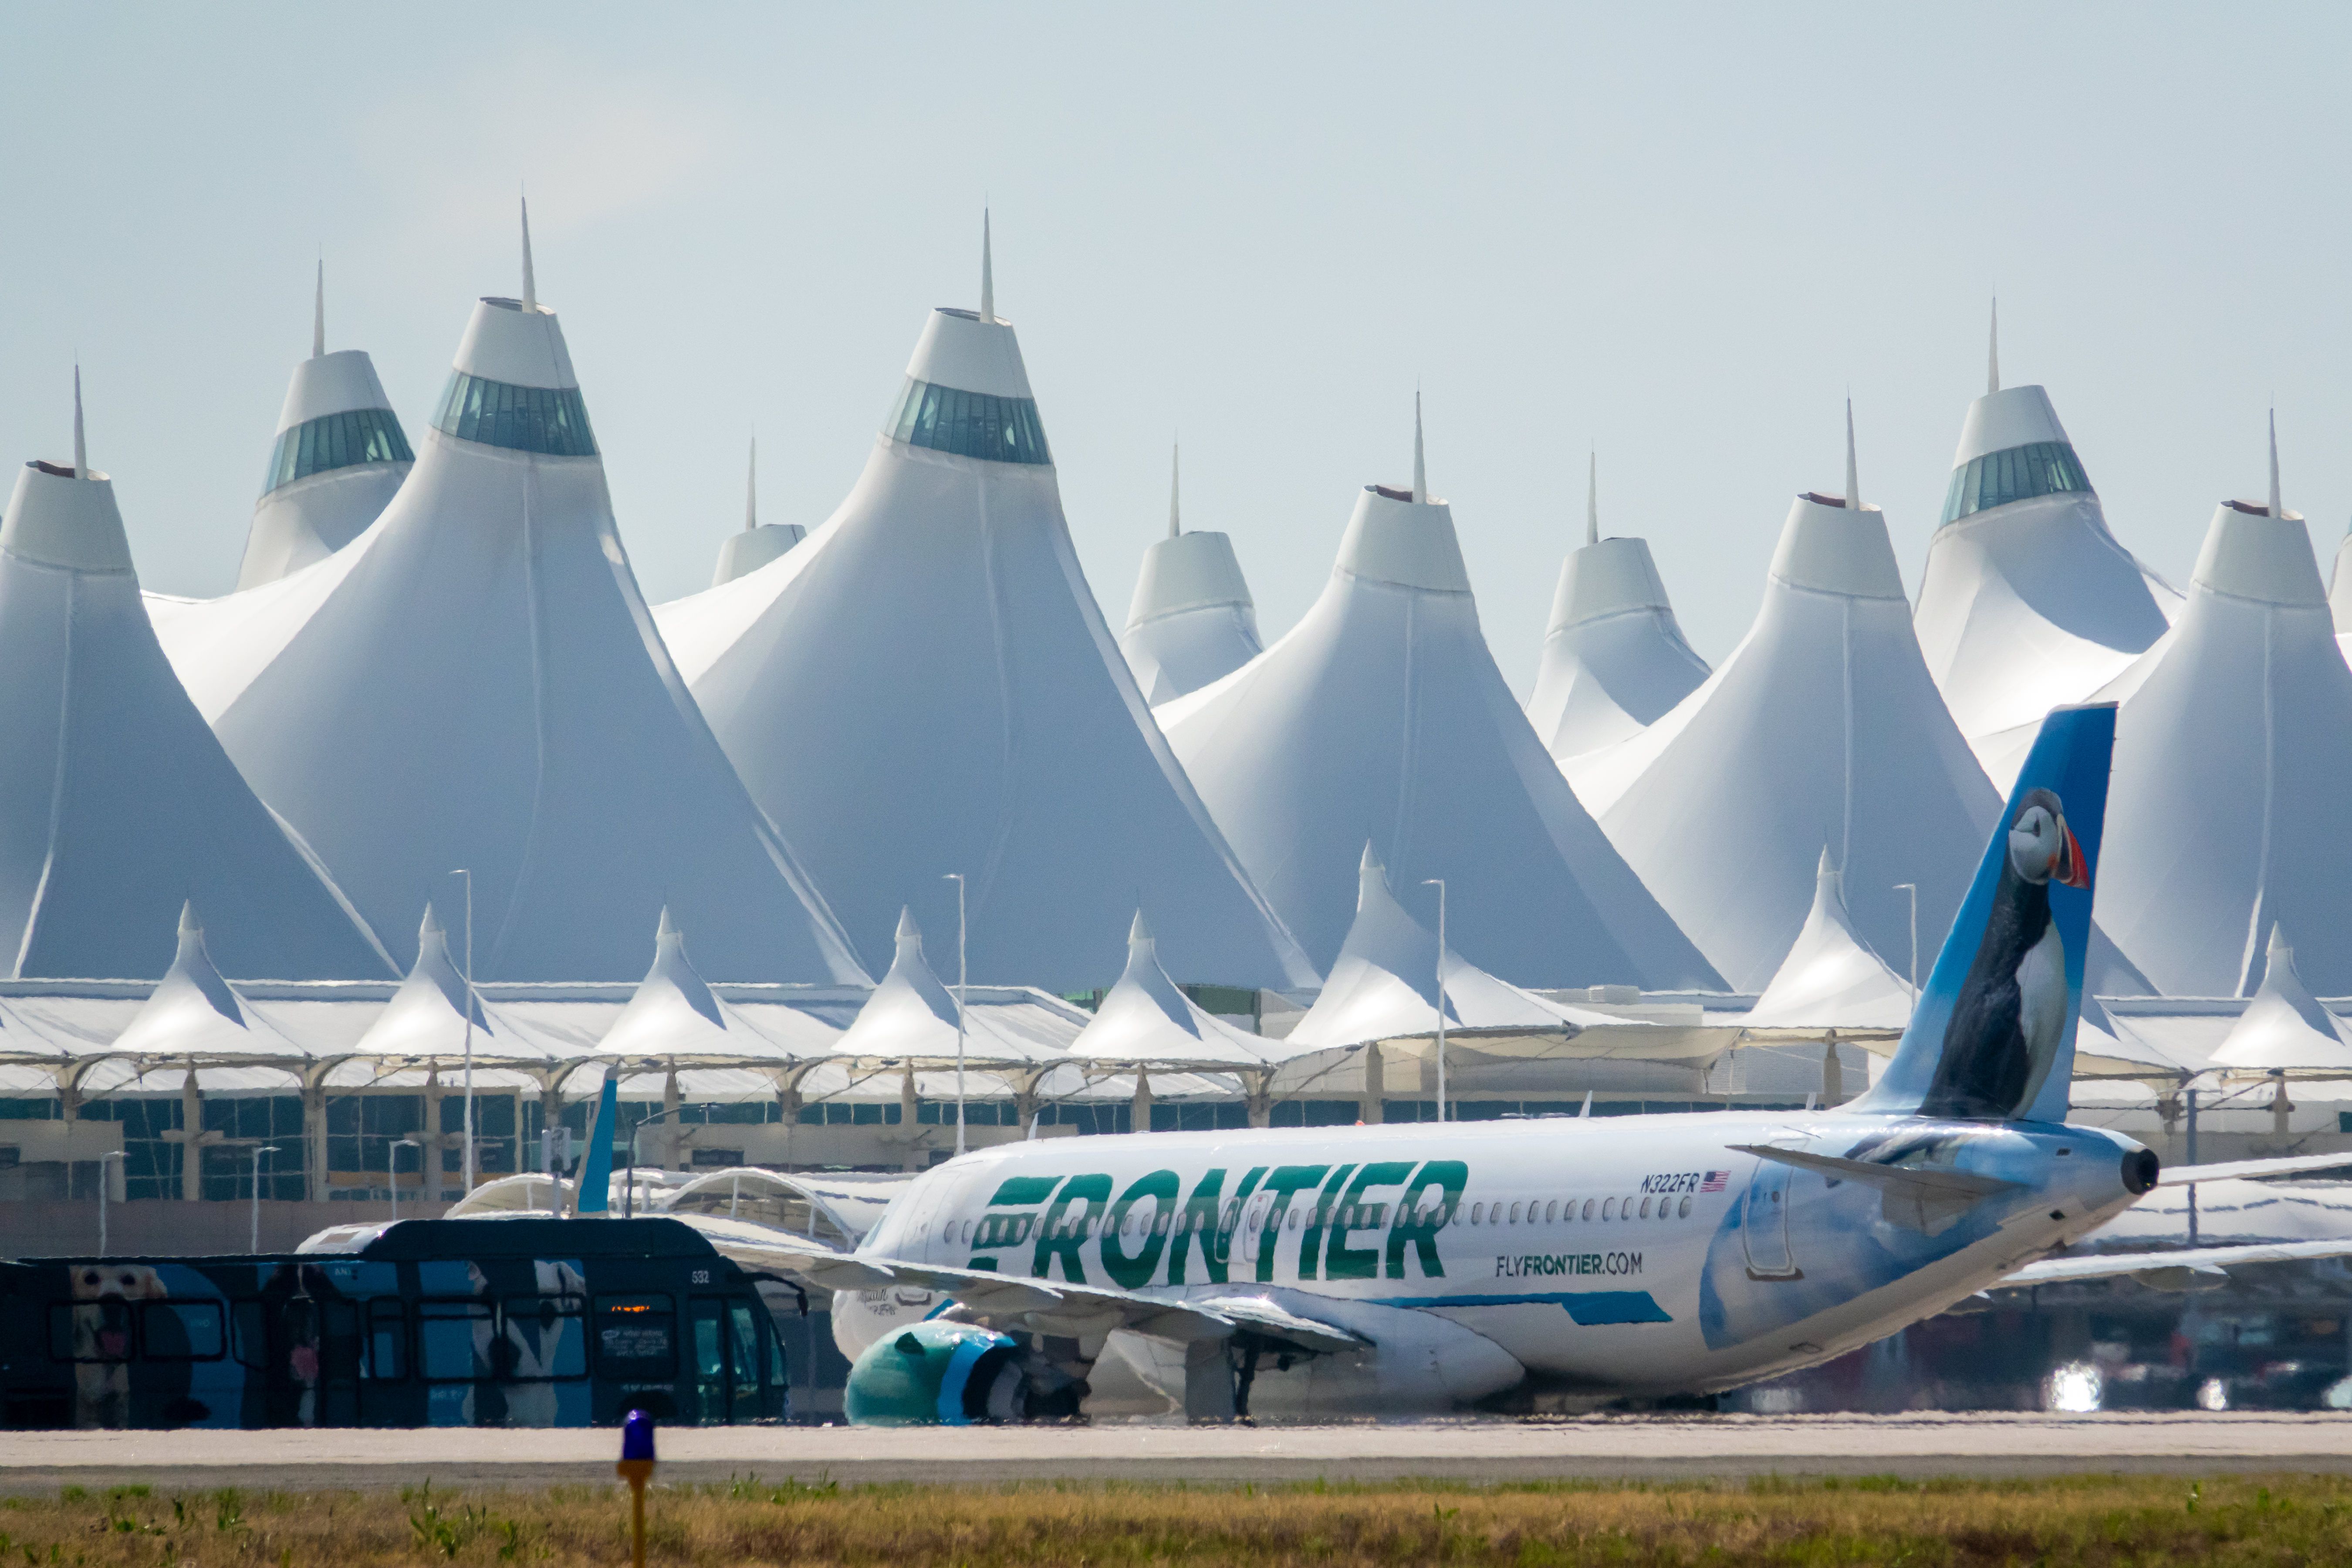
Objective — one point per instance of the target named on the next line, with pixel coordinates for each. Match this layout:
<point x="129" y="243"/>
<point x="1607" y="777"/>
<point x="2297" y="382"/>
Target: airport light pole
<point x="254" y="1241"/>
<point x="468" y="1133"/>
<point x="1913" y="889"/>
<point x="391" y="1169"/>
<point x="963" y="977"/>
<point x="1439" y="883"/>
<point x="103" y="1193"/>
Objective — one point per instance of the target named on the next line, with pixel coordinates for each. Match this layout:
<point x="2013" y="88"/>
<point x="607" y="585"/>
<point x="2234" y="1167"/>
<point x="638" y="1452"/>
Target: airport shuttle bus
<point x="519" y="1322"/>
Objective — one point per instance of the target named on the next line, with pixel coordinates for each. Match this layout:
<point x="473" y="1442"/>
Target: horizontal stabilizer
<point x="2178" y="1263"/>
<point x="2251" y="1170"/>
<point x="1926" y="1198"/>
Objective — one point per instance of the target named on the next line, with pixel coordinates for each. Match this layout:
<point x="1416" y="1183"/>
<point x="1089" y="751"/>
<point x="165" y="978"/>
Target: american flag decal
<point x="1715" y="1180"/>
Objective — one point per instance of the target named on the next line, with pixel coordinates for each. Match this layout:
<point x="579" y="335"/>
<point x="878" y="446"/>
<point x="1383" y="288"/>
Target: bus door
<point x="723" y="1352"/>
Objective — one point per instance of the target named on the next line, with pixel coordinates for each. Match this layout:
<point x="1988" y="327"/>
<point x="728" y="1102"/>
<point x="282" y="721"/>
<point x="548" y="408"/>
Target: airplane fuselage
<point x="1633" y="1256"/>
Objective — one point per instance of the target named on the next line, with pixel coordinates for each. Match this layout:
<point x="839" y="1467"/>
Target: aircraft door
<point x="1764" y="1224"/>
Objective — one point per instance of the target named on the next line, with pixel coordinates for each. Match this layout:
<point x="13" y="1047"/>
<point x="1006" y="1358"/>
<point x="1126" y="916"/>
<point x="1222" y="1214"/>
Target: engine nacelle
<point x="862" y="1317"/>
<point x="938" y="1373"/>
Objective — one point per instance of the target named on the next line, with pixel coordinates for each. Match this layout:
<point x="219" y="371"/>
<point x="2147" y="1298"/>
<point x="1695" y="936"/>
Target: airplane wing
<point x="1061" y="1307"/>
<point x="2181" y="1268"/>
<point x="2250" y="1169"/>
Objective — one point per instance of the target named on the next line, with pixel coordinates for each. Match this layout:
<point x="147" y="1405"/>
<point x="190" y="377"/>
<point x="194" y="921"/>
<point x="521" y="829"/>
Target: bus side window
<point x="182" y="1330"/>
<point x="89" y="1331"/>
<point x="249" y="1331"/>
<point x="385" y="1358"/>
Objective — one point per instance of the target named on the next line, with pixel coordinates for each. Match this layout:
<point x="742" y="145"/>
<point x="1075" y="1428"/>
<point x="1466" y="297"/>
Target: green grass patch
<point x="2141" y="1521"/>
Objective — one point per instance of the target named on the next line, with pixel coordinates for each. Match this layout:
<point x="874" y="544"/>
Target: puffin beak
<point x="2070" y="868"/>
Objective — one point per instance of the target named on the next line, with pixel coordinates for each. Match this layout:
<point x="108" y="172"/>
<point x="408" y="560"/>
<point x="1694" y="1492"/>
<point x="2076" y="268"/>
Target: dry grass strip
<point x="2136" y="1521"/>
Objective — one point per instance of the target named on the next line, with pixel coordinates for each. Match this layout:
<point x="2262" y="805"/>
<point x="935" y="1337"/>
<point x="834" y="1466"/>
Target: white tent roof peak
<point x="1830" y="547"/>
<point x="1405" y="540"/>
<point x="319" y="314"/>
<point x="1992" y="352"/>
<point x="2250" y="554"/>
<point x="987" y="270"/>
<point x="2285" y="1029"/>
<point x="530" y="278"/>
<point x="2005" y="417"/>
<point x="1614" y="659"/>
<point x="1830" y="978"/>
<point x="57" y="517"/>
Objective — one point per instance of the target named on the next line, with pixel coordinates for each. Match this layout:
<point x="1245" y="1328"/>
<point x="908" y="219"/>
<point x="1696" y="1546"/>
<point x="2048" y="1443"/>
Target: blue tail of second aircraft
<point x="1992" y="1035"/>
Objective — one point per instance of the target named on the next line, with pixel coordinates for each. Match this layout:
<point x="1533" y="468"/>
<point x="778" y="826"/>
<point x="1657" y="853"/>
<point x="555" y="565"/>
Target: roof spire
<point x="1853" y="482"/>
<point x="529" y="282"/>
<point x="987" y="271"/>
<point x="2275" y="510"/>
<point x="1419" y="468"/>
<point x="1175" y="454"/>
<point x="1592" y="499"/>
<point x="81" y="450"/>
<point x="1992" y="352"/>
<point x="319" y="314"/>
<point x="751" y="489"/>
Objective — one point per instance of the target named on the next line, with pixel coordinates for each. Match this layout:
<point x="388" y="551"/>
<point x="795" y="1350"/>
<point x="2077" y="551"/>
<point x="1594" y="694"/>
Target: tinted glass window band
<point x="2018" y="473"/>
<point x="969" y="424"/>
<point x="550" y="419"/>
<point x="336" y="441"/>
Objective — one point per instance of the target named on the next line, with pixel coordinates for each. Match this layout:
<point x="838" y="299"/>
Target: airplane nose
<point x="2140" y="1168"/>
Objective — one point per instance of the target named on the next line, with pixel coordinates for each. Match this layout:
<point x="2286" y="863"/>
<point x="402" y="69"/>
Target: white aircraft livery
<point x="1430" y="1266"/>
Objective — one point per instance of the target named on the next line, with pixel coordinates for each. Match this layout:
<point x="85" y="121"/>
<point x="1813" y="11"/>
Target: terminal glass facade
<point x="969" y="424"/>
<point x="550" y="419"/>
<point x="337" y="441"/>
<point x="2019" y="473"/>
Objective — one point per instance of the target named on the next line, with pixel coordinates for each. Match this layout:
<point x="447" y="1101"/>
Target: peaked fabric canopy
<point x="1146" y="1019"/>
<point x="1383" y="984"/>
<point x="927" y="686"/>
<point x="1613" y="656"/>
<point x="475" y="682"/>
<point x="2027" y="602"/>
<point x="338" y="457"/>
<point x="1192" y="620"/>
<point x="117" y="802"/>
<point x="910" y="1018"/>
<point x="1381" y="718"/>
<point x="1831" y="979"/>
<point x="194" y="1013"/>
<point x="2284" y="1029"/>
<point x="674" y="1017"/>
<point x="2232" y="748"/>
<point x="1822" y="727"/>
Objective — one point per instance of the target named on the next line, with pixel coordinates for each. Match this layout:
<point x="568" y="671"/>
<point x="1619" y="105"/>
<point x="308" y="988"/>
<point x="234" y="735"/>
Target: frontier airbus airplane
<point x="1424" y="1268"/>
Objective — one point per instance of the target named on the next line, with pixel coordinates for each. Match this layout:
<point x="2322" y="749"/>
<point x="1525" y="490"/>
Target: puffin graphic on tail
<point x="1993" y="1038"/>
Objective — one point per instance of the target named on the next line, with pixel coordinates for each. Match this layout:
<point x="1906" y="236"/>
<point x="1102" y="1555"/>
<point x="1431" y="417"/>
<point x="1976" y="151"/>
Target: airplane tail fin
<point x="593" y="1196"/>
<point x="1992" y="1035"/>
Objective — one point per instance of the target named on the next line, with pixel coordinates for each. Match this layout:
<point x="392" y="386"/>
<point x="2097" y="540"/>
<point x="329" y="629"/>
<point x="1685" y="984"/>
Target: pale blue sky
<point x="1682" y="233"/>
